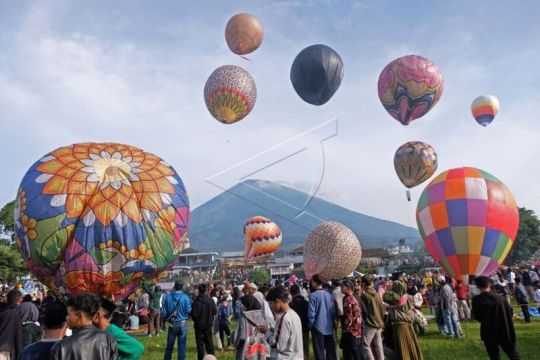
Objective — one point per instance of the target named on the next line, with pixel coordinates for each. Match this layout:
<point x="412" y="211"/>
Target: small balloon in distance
<point x="484" y="109"/>
<point x="244" y="33"/>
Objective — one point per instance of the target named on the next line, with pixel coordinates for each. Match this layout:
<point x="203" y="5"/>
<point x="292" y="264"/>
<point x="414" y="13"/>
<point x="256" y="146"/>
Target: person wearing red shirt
<point x="462" y="292"/>
<point x="351" y="338"/>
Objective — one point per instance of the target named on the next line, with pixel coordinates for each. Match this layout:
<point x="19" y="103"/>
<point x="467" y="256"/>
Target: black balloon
<point x="316" y="74"/>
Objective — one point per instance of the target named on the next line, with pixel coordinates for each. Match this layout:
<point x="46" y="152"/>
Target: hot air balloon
<point x="332" y="251"/>
<point x="468" y="220"/>
<point x="244" y="34"/>
<point x="230" y="93"/>
<point x="415" y="162"/>
<point x="316" y="74"/>
<point x="409" y="87"/>
<point x="484" y="109"/>
<point x="262" y="237"/>
<point x="100" y="218"/>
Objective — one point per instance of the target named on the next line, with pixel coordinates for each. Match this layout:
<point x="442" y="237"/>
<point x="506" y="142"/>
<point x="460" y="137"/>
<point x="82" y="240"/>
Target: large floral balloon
<point x="100" y="218"/>
<point x="332" y="251"/>
<point x="414" y="163"/>
<point x="409" y="87"/>
<point x="484" y="109"/>
<point x="230" y="93"/>
<point x="468" y="220"/>
<point x="244" y="34"/>
<point x="262" y="237"/>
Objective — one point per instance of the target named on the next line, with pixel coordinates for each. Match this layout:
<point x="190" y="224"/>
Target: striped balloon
<point x="230" y="94"/>
<point x="468" y="220"/>
<point x="484" y="109"/>
<point x="262" y="237"/>
<point x="244" y="34"/>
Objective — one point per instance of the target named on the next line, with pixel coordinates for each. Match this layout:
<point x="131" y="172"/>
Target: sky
<point x="133" y="72"/>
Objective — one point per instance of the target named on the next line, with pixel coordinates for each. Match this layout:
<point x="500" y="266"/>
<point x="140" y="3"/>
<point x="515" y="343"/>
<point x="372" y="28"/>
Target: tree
<point x="11" y="264"/>
<point x="527" y="239"/>
<point x="7" y="226"/>
<point x="260" y="276"/>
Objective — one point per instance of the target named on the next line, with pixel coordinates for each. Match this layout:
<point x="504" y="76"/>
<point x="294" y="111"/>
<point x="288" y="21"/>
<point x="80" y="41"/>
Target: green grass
<point x="434" y="345"/>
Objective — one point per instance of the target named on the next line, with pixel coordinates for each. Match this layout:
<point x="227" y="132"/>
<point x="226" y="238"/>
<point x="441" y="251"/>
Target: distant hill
<point x="217" y="225"/>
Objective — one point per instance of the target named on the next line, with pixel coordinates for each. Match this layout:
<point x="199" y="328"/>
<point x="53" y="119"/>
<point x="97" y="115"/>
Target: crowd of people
<point x="372" y="316"/>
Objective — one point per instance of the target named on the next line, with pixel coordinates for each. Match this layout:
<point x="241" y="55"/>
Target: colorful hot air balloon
<point x="316" y="74"/>
<point x="484" y="109"/>
<point x="468" y="220"/>
<point x="100" y="218"/>
<point x="409" y="87"/>
<point x="415" y="162"/>
<point x="332" y="251"/>
<point x="262" y="237"/>
<point x="230" y="93"/>
<point x="244" y="34"/>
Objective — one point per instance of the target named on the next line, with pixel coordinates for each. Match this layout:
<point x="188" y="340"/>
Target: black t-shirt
<point x="38" y="351"/>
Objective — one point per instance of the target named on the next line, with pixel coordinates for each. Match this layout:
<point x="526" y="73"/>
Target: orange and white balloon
<point x="262" y="237"/>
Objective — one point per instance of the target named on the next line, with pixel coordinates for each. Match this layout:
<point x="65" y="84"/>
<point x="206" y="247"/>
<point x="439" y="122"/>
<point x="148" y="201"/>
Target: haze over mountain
<point x="217" y="225"/>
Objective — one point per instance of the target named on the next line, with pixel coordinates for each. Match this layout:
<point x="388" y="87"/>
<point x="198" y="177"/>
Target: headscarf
<point x="250" y="302"/>
<point x="28" y="312"/>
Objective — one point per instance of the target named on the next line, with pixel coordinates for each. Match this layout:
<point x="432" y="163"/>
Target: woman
<point x="249" y="341"/>
<point x="401" y="317"/>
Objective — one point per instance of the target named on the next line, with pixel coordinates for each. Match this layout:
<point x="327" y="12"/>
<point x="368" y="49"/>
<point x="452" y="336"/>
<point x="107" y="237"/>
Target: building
<point x="295" y="257"/>
<point x="280" y="269"/>
<point x="200" y="261"/>
<point x="398" y="250"/>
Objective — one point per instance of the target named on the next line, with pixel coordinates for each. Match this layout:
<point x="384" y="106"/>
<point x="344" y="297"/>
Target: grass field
<point x="434" y="345"/>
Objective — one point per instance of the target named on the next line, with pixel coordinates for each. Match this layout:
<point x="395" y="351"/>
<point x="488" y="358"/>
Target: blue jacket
<point x="321" y="312"/>
<point x="178" y="300"/>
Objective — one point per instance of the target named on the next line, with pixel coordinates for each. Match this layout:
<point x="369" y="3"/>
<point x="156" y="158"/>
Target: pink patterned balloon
<point x="409" y="87"/>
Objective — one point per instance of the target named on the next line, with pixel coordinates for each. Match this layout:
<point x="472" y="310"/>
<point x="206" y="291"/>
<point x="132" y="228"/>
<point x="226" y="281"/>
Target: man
<point x="55" y="326"/>
<point x="286" y="341"/>
<point x="300" y="305"/>
<point x="351" y="323"/>
<point x="154" y="292"/>
<point x="527" y="282"/>
<point x="373" y="321"/>
<point x="11" y="328"/>
<point x="496" y="323"/>
<point x="86" y="342"/>
<point x="128" y="347"/>
<point x="522" y="299"/>
<point x="462" y="292"/>
<point x="176" y="310"/>
<point x="265" y="308"/>
<point x="511" y="278"/>
<point x="321" y="317"/>
<point x="448" y="302"/>
<point x="203" y="312"/>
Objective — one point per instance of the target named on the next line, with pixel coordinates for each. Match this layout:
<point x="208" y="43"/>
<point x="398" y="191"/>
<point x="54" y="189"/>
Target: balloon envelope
<point x="332" y="251"/>
<point x="415" y="162"/>
<point x="244" y="34"/>
<point x="262" y="237"/>
<point x="316" y="74"/>
<point x="230" y="94"/>
<point x="468" y="220"/>
<point x="484" y="109"/>
<point x="409" y="87"/>
<point x="100" y="218"/>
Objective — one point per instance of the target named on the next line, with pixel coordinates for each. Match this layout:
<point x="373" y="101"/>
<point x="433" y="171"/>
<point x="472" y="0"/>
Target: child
<point x="223" y="314"/>
<point x="431" y="299"/>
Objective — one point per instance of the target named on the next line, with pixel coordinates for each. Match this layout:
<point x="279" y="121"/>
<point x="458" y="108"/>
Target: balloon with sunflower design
<point x="100" y="218"/>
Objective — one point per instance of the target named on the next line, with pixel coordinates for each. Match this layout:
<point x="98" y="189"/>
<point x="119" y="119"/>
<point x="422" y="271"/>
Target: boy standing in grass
<point x="223" y="314"/>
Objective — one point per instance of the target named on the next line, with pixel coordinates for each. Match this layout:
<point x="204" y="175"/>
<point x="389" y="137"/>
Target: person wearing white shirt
<point x="286" y="338"/>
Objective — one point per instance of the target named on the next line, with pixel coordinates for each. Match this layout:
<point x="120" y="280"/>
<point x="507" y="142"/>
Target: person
<point x="527" y="282"/>
<point x="265" y="308"/>
<point x="11" y="336"/>
<point x="128" y="347"/>
<point x="300" y="305"/>
<point x="286" y="343"/>
<point x="373" y="321"/>
<point x="55" y="326"/>
<point x="448" y="303"/>
<point x="203" y="313"/>
<point x="501" y="286"/>
<point x="29" y="315"/>
<point x="86" y="340"/>
<point x="404" y="339"/>
<point x="351" y="323"/>
<point x="462" y="292"/>
<point x="176" y="310"/>
<point x="495" y="317"/>
<point x="133" y="320"/>
<point x="431" y="299"/>
<point x="223" y="314"/>
<point x="248" y="337"/>
<point x="522" y="298"/>
<point x="536" y="287"/>
<point x="321" y="317"/>
<point x="338" y="297"/>
<point x="154" y="294"/>
<point x="511" y="278"/>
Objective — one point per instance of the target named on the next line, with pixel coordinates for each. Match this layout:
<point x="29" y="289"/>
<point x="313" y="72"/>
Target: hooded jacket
<point x="203" y="312"/>
<point x="495" y="317"/>
<point x="10" y="331"/>
<point x="374" y="316"/>
<point x="179" y="301"/>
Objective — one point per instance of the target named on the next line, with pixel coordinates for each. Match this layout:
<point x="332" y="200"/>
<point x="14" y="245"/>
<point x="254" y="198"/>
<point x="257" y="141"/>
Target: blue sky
<point x="134" y="71"/>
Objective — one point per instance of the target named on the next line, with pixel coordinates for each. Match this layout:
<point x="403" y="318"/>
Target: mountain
<point x="217" y="225"/>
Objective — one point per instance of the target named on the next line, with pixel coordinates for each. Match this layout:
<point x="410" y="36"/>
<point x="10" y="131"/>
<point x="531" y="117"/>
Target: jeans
<point x="352" y="349"/>
<point x="451" y="324"/>
<point x="526" y="314"/>
<point x="464" y="311"/>
<point x="178" y="330"/>
<point x="372" y="343"/>
<point x="324" y="346"/>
